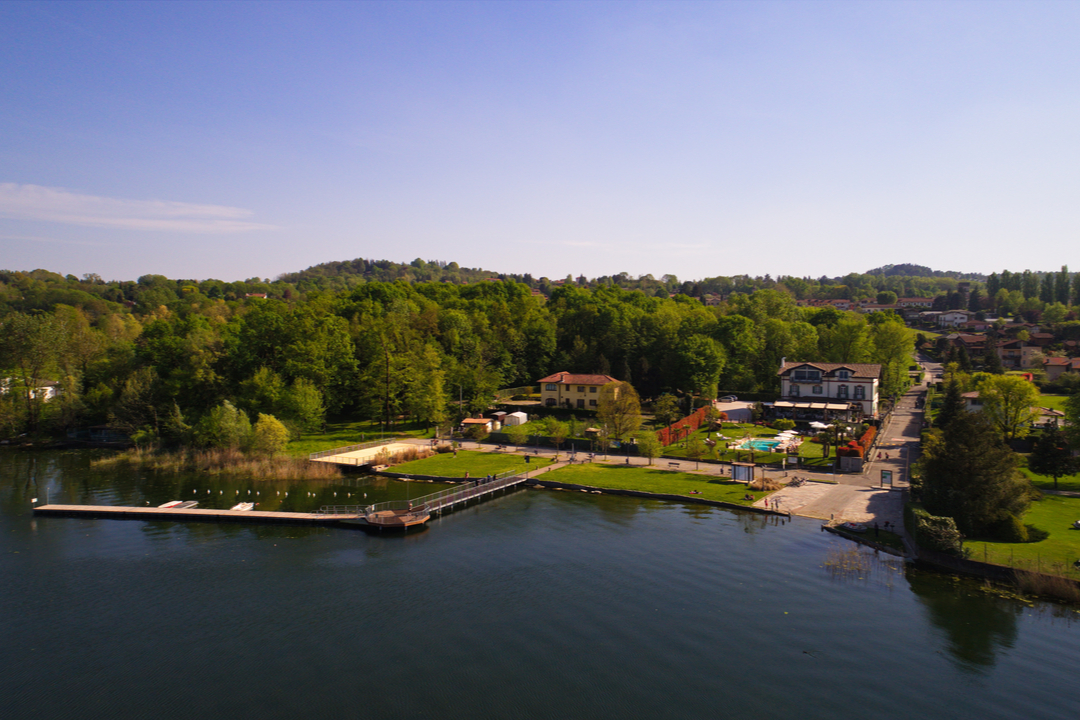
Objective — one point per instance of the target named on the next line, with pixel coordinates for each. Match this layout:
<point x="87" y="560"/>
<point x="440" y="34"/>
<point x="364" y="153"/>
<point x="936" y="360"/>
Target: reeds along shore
<point x="223" y="462"/>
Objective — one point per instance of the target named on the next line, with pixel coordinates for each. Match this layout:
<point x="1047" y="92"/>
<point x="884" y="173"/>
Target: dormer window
<point x="806" y="375"/>
<point x="843" y="374"/>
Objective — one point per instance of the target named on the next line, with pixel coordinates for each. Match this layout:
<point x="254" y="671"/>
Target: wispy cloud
<point x="57" y="241"/>
<point x="34" y="202"/>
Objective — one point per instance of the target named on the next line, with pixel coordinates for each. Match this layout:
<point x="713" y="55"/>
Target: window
<point x="841" y="392"/>
<point x="844" y="374"/>
<point x="581" y="388"/>
<point x="860" y="392"/>
<point x="581" y="403"/>
<point x="793" y="390"/>
<point x="551" y="386"/>
<point x="817" y="389"/>
<point x="592" y="403"/>
<point x="592" y="390"/>
<point x="805" y="375"/>
<point x="550" y="402"/>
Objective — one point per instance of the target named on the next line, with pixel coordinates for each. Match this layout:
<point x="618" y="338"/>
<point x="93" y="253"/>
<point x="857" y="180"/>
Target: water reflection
<point x="977" y="626"/>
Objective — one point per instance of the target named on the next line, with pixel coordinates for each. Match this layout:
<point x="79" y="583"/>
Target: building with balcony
<point x="812" y="390"/>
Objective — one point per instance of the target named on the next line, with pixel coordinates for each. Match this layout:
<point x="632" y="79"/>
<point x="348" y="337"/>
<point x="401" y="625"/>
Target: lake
<point x="536" y="604"/>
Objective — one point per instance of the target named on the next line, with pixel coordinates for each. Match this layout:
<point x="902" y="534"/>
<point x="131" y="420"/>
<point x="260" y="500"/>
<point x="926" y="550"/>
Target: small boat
<point x="188" y="504"/>
<point x="853" y="527"/>
<point x="244" y="506"/>
<point x="171" y="504"/>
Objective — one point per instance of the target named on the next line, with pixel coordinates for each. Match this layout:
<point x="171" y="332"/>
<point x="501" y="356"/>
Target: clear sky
<point x="237" y="140"/>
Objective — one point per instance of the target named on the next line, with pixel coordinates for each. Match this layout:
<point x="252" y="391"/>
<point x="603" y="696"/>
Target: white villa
<point x="829" y="389"/>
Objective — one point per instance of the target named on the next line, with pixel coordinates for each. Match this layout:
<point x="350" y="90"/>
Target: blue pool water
<point x="761" y="445"/>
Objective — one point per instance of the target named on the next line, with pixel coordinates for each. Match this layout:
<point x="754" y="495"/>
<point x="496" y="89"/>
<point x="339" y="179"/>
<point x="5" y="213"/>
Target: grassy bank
<point x="351" y="432"/>
<point x="1053" y="514"/>
<point x="630" y="477"/>
<point x="473" y="462"/>
<point x="222" y="462"/>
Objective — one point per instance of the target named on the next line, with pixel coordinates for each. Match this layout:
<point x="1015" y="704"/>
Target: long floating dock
<point x="194" y="514"/>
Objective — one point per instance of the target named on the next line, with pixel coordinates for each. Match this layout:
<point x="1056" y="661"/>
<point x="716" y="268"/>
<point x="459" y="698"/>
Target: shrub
<point x="783" y="424"/>
<point x="938" y="534"/>
<point x="1011" y="529"/>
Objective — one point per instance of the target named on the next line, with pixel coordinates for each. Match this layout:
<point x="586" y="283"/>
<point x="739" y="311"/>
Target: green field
<point x="1045" y="482"/>
<point x="473" y="462"/>
<point x="624" y="477"/>
<point x="1056" y="554"/>
<point x="1054" y="402"/>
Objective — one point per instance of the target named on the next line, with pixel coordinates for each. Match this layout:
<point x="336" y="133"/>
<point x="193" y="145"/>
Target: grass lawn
<point x="623" y="477"/>
<point x="1056" y="554"/>
<point x="1045" y="482"/>
<point x="474" y="462"/>
<point x="1054" y="402"/>
<point x="349" y="432"/>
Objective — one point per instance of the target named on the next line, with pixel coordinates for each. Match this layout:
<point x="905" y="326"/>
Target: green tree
<point x="302" y="403"/>
<point x="557" y="431"/>
<point x="970" y="475"/>
<point x="991" y="360"/>
<point x="886" y="297"/>
<point x="666" y="409"/>
<point x="648" y="445"/>
<point x="518" y="434"/>
<point x="1072" y="419"/>
<point x="952" y="405"/>
<point x="224" y="427"/>
<point x="29" y="344"/>
<point x="619" y="409"/>
<point x="1008" y="403"/>
<point x="695" y="449"/>
<point x="269" y="436"/>
<point x="1052" y="455"/>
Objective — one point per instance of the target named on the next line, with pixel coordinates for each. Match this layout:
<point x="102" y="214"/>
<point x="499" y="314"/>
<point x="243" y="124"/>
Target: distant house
<point x="261" y="296"/>
<point x="916" y="302"/>
<point x="44" y="391"/>
<point x="469" y="423"/>
<point x="954" y="318"/>
<point x="1018" y="353"/>
<point x="874" y="307"/>
<point x="972" y="401"/>
<point x="1055" y="367"/>
<point x="828" y="389"/>
<point x="570" y="390"/>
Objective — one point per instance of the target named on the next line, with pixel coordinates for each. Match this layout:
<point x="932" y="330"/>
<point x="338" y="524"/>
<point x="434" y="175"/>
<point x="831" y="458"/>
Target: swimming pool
<point x="759" y="445"/>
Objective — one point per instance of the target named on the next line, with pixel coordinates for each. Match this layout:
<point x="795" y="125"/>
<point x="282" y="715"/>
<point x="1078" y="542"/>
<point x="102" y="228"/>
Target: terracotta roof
<point x="570" y="379"/>
<point x="1063" y="361"/>
<point x="972" y="395"/>
<point x="859" y="370"/>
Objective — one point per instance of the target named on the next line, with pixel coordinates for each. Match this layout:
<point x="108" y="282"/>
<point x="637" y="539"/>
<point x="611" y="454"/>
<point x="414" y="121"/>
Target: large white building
<point x="831" y="388"/>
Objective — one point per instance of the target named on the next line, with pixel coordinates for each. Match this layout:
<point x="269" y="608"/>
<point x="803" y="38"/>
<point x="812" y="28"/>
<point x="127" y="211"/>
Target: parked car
<point x="728" y="398"/>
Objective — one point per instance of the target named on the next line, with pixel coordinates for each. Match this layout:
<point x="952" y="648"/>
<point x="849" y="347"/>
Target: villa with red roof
<point x="570" y="390"/>
<point x="828" y="389"/>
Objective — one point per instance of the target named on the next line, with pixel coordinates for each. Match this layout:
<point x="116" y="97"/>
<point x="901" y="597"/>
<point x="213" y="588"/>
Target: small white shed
<point x="516" y="418"/>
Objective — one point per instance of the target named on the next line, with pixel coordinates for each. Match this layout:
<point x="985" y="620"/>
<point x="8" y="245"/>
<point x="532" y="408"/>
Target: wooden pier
<point x="194" y="514"/>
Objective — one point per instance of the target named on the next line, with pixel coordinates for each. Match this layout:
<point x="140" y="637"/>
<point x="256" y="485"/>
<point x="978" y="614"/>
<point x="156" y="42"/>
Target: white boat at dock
<point x="170" y="504"/>
<point x="243" y="506"/>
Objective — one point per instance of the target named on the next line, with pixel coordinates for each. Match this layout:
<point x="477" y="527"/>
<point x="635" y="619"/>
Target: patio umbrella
<point x="818" y="425"/>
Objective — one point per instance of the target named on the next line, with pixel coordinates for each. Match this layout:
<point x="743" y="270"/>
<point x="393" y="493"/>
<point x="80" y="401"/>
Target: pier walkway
<point x="196" y="514"/>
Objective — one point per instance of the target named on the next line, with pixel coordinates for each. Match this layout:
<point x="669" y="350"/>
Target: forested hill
<point x="343" y="274"/>
<point x="912" y="270"/>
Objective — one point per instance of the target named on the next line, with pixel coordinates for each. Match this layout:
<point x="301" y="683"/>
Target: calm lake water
<point x="533" y="605"/>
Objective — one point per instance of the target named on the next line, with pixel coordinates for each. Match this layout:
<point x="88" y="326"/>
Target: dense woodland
<point x="381" y="339"/>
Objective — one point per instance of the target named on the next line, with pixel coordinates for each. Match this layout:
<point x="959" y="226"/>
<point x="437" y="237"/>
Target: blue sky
<point x="237" y="140"/>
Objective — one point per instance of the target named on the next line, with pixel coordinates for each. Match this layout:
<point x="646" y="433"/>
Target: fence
<point x="678" y="430"/>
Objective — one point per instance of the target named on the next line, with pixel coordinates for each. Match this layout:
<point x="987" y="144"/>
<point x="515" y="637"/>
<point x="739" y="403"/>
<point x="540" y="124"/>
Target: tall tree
<point x="970" y="475"/>
<point x="1052" y="455"/>
<point x="952" y="405"/>
<point x="1008" y="403"/>
<point x="619" y="409"/>
<point x="29" y="344"/>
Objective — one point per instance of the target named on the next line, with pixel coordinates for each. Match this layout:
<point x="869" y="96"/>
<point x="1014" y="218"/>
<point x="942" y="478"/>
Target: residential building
<point x="829" y="389"/>
<point x="916" y="302"/>
<point x="954" y="318"/>
<point x="1018" y="353"/>
<point x="570" y="390"/>
<point x="1055" y="367"/>
<point x="972" y="401"/>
